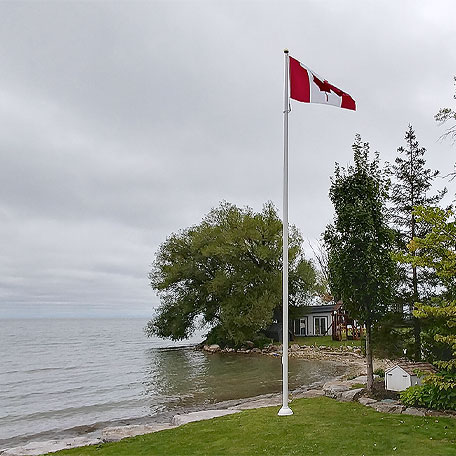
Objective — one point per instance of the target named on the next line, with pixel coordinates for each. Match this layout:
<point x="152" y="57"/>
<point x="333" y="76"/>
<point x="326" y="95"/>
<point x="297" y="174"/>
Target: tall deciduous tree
<point x="437" y="251"/>
<point x="226" y="272"/>
<point x="359" y="243"/>
<point x="410" y="188"/>
<point x="447" y="116"/>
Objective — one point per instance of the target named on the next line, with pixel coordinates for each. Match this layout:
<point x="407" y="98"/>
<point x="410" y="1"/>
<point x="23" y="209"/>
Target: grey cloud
<point x="125" y="121"/>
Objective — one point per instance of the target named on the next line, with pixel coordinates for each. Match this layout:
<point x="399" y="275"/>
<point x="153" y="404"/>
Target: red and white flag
<point x="308" y="87"/>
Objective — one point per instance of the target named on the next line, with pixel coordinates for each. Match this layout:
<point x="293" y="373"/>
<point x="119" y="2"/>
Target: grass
<point x="325" y="340"/>
<point x="358" y="385"/>
<point x="319" y="426"/>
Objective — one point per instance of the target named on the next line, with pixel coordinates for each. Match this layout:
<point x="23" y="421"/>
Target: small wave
<point x="45" y="393"/>
<point x="72" y="411"/>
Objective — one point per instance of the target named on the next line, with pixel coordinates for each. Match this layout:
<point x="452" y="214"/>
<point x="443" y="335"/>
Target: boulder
<point x="360" y="379"/>
<point x="114" y="434"/>
<point x="178" y="420"/>
<point x="366" y="401"/>
<point x="335" y="389"/>
<point x="442" y="413"/>
<point x="413" y="411"/>
<point x="295" y="347"/>
<point x="387" y="407"/>
<point x="50" y="446"/>
<point x="274" y="400"/>
<point x="212" y="348"/>
<point x="312" y="393"/>
<point x="351" y="395"/>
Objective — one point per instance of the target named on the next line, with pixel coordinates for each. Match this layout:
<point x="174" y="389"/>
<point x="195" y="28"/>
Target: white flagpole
<point x="285" y="410"/>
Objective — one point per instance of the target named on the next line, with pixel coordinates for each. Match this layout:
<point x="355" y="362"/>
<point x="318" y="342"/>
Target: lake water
<point x="67" y="377"/>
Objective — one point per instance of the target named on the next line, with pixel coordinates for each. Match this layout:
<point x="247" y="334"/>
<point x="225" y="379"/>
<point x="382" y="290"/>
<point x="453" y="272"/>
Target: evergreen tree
<point x="359" y="242"/>
<point x="410" y="189"/>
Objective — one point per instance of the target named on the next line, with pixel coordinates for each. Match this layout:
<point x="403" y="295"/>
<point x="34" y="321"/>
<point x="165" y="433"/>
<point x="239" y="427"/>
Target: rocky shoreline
<point x="342" y="355"/>
<point x="338" y="389"/>
<point x="316" y="352"/>
<point x="345" y="388"/>
<point x="118" y="432"/>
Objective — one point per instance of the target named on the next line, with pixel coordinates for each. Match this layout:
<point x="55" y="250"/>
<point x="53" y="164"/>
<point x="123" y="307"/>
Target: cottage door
<point x="320" y="326"/>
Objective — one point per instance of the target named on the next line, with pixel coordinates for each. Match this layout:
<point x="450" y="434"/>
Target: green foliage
<point x="391" y="335"/>
<point x="226" y="273"/>
<point x="359" y="242"/>
<point x="217" y="335"/>
<point x="431" y="396"/>
<point x="380" y="372"/>
<point x="437" y="251"/>
<point x="410" y="188"/>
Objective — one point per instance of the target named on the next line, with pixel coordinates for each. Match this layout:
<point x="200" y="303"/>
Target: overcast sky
<point x="121" y="122"/>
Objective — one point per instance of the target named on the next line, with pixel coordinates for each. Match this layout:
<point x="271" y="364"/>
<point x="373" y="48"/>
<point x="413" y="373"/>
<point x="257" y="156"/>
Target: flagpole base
<point x="285" y="411"/>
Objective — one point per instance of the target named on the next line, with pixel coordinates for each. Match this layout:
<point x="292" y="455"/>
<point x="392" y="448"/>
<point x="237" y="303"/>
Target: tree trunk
<point x="370" y="368"/>
<point x="416" y="321"/>
<point x="417" y="335"/>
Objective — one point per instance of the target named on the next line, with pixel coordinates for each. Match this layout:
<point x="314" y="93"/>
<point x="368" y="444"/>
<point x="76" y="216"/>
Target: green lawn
<point x="319" y="426"/>
<point x="325" y="340"/>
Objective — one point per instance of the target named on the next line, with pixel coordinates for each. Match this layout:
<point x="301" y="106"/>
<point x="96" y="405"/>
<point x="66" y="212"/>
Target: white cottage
<point x="404" y="374"/>
<point x="317" y="321"/>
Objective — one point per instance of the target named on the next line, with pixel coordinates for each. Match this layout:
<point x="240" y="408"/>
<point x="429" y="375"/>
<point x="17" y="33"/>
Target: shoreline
<point x="340" y="355"/>
<point x="134" y="427"/>
<point x="96" y="433"/>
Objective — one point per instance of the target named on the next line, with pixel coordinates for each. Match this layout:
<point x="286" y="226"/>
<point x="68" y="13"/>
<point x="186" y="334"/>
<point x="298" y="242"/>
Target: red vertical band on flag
<point x="348" y="102"/>
<point x="299" y="82"/>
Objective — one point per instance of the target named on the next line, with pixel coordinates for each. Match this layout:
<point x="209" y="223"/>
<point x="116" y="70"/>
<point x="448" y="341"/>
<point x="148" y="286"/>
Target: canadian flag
<point x="308" y="87"/>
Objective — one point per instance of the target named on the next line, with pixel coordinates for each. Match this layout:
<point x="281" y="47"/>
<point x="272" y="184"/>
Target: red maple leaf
<point x="325" y="86"/>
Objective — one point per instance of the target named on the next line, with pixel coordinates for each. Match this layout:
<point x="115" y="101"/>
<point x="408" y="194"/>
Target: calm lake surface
<point x="67" y="377"/>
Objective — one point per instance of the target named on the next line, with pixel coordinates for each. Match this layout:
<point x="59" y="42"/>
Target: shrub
<point x="380" y="372"/>
<point x="429" y="396"/>
<point x="218" y="336"/>
<point x="260" y="340"/>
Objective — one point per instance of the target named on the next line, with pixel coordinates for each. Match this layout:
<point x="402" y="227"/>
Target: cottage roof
<point x="319" y="309"/>
<point x="411" y="367"/>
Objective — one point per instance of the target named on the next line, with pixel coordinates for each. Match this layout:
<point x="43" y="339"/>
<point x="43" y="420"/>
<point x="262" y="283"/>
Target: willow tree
<point x="359" y="243"/>
<point x="226" y="273"/>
